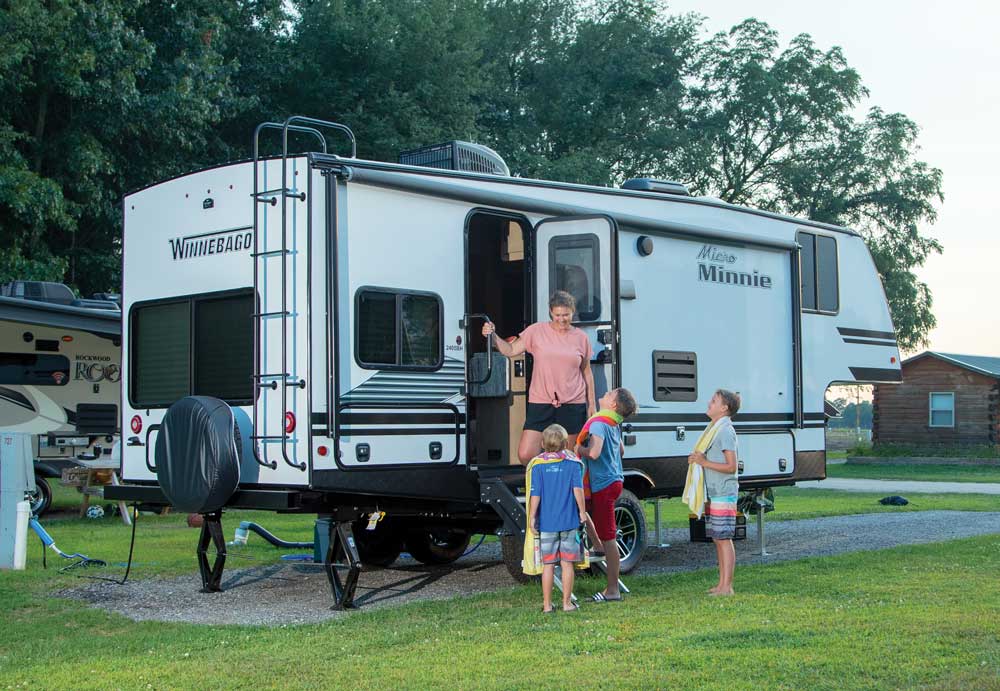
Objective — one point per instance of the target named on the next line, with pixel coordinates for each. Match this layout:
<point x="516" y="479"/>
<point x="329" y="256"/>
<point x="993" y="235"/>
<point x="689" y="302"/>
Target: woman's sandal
<point x="573" y="607"/>
<point x="601" y="597"/>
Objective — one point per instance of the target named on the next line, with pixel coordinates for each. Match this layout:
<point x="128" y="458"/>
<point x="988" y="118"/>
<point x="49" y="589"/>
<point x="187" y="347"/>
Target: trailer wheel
<point x="41" y="498"/>
<point x="379" y="547"/>
<point x="437" y="545"/>
<point x="512" y="549"/>
<point x="631" y="536"/>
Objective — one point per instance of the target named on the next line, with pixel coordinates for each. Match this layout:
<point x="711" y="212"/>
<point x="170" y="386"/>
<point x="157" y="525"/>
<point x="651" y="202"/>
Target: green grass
<point x="792" y="503"/>
<point x="933" y="473"/>
<point x="910" y="450"/>
<point x="911" y="617"/>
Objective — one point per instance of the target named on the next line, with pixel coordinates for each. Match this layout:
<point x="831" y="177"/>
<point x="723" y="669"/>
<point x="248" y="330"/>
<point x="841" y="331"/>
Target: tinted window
<point x="399" y="329"/>
<point x="574" y="267"/>
<point x="224" y="348"/>
<point x="826" y="274"/>
<point x="377" y="328"/>
<point x="32" y="369"/>
<point x="818" y="267"/>
<point x="161" y="353"/>
<point x="420" y="330"/>
<point x="807" y="258"/>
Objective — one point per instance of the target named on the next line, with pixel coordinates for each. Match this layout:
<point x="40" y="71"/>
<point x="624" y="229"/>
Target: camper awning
<point x="95" y="321"/>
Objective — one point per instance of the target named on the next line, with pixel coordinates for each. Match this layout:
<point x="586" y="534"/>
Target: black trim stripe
<point x="16" y="398"/>
<point x="396" y="432"/>
<point x="866" y="333"/>
<point x="739" y="418"/>
<point x="862" y="341"/>
<point x="877" y="374"/>
<point x="698" y="427"/>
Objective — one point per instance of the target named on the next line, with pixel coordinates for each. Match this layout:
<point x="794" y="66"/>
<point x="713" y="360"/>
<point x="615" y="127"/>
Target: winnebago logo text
<point x="713" y="266"/>
<point x="218" y="242"/>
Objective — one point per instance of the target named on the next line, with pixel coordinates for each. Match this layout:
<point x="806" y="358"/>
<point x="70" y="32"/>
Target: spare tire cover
<point x="197" y="455"/>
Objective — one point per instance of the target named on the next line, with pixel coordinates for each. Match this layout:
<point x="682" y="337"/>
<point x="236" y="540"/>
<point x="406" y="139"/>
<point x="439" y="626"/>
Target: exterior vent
<point x="661" y="186"/>
<point x="675" y="376"/>
<point x="456" y="155"/>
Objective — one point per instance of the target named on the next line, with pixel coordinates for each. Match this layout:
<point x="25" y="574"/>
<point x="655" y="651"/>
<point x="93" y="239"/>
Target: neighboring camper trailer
<point x="335" y="305"/>
<point x="60" y="366"/>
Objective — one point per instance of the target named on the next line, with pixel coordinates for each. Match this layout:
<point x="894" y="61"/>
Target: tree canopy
<point x="104" y="96"/>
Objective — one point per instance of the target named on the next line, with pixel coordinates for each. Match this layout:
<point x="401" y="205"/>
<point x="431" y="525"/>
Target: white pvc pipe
<point x="21" y="535"/>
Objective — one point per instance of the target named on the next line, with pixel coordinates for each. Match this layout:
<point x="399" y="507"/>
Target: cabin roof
<point x="982" y="364"/>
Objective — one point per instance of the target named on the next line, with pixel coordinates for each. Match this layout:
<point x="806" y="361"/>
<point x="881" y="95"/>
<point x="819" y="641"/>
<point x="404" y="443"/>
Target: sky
<point x="939" y="64"/>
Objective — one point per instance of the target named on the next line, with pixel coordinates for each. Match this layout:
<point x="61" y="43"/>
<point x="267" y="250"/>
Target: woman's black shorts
<point x="569" y="415"/>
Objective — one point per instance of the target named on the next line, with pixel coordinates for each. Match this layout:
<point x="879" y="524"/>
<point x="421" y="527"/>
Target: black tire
<point x="512" y="549"/>
<point x="631" y="537"/>
<point x="379" y="547"/>
<point x="437" y="546"/>
<point x="41" y="499"/>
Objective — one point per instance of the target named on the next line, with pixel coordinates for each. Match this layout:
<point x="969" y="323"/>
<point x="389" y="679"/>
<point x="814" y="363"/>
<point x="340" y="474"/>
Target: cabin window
<point x="574" y="266"/>
<point x="818" y="270"/>
<point x="942" y="410"/>
<point x="199" y="345"/>
<point x="398" y="329"/>
<point x="18" y="369"/>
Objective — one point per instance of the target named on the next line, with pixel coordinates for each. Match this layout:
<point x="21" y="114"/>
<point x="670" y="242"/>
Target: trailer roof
<point x="96" y="321"/>
<point x="525" y="182"/>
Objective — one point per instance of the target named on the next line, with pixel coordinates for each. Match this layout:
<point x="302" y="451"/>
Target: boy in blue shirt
<point x="555" y="511"/>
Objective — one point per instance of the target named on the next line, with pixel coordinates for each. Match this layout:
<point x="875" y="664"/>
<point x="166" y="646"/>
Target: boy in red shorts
<point x="603" y="456"/>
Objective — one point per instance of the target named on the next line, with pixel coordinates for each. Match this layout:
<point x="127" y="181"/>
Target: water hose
<point x="243" y="532"/>
<point x="47" y="541"/>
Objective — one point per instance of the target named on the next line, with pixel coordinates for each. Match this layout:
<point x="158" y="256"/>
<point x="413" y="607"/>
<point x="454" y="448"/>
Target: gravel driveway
<point x="296" y="593"/>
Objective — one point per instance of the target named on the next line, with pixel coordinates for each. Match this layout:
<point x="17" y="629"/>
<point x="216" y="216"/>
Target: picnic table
<point x="90" y="477"/>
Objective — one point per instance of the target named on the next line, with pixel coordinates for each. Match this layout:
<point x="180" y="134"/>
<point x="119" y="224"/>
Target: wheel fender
<point x="46" y="470"/>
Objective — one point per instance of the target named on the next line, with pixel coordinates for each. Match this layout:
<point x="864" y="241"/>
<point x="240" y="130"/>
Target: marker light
<point x="289" y="422"/>
<point x="67" y="339"/>
<point x="322" y="451"/>
<point x="136" y="424"/>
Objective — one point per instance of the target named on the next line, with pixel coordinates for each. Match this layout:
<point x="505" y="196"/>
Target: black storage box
<point x="696" y="526"/>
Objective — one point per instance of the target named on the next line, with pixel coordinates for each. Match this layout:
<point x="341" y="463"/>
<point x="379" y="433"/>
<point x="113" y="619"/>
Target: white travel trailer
<point x="60" y="366"/>
<point x="336" y="304"/>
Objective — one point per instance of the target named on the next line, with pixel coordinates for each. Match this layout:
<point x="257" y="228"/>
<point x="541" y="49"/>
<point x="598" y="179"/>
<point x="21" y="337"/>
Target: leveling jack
<point x="211" y="531"/>
<point x="342" y="564"/>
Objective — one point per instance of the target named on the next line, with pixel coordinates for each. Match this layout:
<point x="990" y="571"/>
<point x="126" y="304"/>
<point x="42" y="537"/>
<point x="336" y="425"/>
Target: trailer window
<point x="574" y="266"/>
<point x="199" y="345"/>
<point x="161" y="354"/>
<point x="398" y="329"/>
<point x="34" y="370"/>
<point x="819" y="273"/>
<point x="223" y="352"/>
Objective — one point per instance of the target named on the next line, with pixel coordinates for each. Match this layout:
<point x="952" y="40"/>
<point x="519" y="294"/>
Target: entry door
<point x="579" y="254"/>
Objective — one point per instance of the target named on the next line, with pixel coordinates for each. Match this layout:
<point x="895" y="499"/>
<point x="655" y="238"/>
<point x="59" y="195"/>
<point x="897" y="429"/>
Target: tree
<point x="589" y="95"/>
<point x="401" y="73"/>
<point x="775" y="130"/>
<point x="102" y="97"/>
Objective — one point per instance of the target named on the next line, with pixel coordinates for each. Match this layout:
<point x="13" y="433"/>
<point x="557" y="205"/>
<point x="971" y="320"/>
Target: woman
<point x="721" y="484"/>
<point x="562" y="384"/>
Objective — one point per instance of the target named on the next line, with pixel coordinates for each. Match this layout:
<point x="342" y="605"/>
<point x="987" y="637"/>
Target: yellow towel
<point x="694" y="486"/>
<point x="528" y="564"/>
